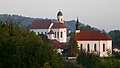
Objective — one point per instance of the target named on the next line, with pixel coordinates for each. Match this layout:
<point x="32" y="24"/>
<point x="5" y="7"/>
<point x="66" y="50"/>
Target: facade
<point x="90" y="41"/>
<point x="55" y="30"/>
<point x="94" y="41"/>
<point x="58" y="29"/>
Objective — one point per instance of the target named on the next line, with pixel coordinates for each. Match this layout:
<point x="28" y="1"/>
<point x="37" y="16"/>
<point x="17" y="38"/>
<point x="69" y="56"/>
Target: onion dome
<point x="59" y="13"/>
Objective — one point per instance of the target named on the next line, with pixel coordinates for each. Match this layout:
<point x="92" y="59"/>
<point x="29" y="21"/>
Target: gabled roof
<point x="40" y="24"/>
<point x="92" y="35"/>
<point x="50" y="32"/>
<point x="58" y="25"/>
<point x="56" y="43"/>
<point x="44" y="24"/>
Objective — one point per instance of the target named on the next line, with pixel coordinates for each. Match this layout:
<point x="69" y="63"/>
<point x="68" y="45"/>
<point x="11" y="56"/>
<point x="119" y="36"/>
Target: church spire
<point x="77" y="24"/>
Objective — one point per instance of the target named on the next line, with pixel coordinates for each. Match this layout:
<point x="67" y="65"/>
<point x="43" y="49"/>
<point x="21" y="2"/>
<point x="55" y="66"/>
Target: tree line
<point x="21" y="48"/>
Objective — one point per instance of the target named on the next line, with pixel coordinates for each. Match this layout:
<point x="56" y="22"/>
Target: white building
<point x="54" y="29"/>
<point x="93" y="41"/>
<point x="90" y="41"/>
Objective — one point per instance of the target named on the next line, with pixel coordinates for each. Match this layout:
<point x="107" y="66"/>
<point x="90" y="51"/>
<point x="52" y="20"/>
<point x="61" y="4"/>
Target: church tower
<point x="77" y="26"/>
<point x="60" y="17"/>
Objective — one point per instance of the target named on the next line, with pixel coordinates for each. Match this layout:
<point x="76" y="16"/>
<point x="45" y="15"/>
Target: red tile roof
<point x="40" y="24"/>
<point x="58" y="25"/>
<point x="56" y="43"/>
<point x="44" y="24"/>
<point x="51" y="32"/>
<point x="92" y="35"/>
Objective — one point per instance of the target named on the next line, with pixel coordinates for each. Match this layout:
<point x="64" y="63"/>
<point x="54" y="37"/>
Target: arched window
<point x="88" y="48"/>
<point x="103" y="47"/>
<point x="61" y="34"/>
<point x="95" y="47"/>
<point x="57" y="34"/>
<point x="61" y="20"/>
<point x="38" y="33"/>
<point x="81" y="47"/>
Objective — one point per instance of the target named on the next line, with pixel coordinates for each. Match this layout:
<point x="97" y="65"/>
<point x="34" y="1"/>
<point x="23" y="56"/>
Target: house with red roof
<point x="55" y="30"/>
<point x="93" y="41"/>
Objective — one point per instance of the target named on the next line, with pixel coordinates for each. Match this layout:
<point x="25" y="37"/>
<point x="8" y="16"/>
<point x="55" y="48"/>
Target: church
<point x="90" y="41"/>
<point x="93" y="41"/>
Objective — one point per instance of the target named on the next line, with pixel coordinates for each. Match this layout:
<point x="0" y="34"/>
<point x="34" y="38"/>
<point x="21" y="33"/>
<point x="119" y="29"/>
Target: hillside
<point x="26" y="21"/>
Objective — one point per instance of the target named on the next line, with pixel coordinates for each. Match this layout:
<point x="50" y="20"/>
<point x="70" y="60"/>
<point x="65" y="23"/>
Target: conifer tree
<point x="73" y="47"/>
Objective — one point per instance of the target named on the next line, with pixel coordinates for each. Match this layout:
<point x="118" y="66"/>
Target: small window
<point x="95" y="47"/>
<point x="103" y="47"/>
<point x="61" y="34"/>
<point x="61" y="20"/>
<point x="88" y="48"/>
<point x="38" y="33"/>
<point x="57" y="34"/>
<point x="81" y="47"/>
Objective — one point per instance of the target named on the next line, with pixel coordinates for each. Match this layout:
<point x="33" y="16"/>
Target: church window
<point x="57" y="34"/>
<point x="103" y="47"/>
<point x="61" y="34"/>
<point x="38" y="33"/>
<point x="88" y="48"/>
<point x="81" y="47"/>
<point x="95" y="47"/>
<point x="61" y="20"/>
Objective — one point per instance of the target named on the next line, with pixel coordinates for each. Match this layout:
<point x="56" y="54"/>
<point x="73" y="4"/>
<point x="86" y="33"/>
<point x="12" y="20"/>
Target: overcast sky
<point x="102" y="14"/>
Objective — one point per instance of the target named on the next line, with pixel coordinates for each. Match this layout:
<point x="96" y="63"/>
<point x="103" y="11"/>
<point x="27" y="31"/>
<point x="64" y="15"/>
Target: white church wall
<point x="91" y="44"/>
<point x="64" y="34"/>
<point x="59" y="38"/>
<point x="108" y="47"/>
<point x="99" y="46"/>
<point x="40" y="31"/>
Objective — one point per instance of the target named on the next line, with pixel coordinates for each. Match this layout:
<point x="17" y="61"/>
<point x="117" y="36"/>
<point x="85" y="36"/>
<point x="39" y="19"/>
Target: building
<point x="90" y="41"/>
<point x="55" y="30"/>
<point x="93" y="41"/>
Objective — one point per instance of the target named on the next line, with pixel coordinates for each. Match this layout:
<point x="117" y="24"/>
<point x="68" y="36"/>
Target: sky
<point x="102" y="14"/>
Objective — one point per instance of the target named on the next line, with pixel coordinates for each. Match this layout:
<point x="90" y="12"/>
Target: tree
<point x="88" y="60"/>
<point x="46" y="65"/>
<point x="73" y="47"/>
<point x="115" y="34"/>
<point x="24" y="49"/>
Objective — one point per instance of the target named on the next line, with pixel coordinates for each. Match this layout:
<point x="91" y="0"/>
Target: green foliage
<point x="88" y="60"/>
<point x="47" y="65"/>
<point x="73" y="47"/>
<point x="109" y="63"/>
<point x="70" y="64"/>
<point x="115" y="35"/>
<point x="20" y="48"/>
<point x="116" y="55"/>
<point x="87" y="28"/>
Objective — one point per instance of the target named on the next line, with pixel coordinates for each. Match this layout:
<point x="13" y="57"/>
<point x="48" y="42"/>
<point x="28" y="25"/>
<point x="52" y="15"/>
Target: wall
<point x="64" y="36"/>
<point x="60" y="39"/>
<point x="99" y="46"/>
